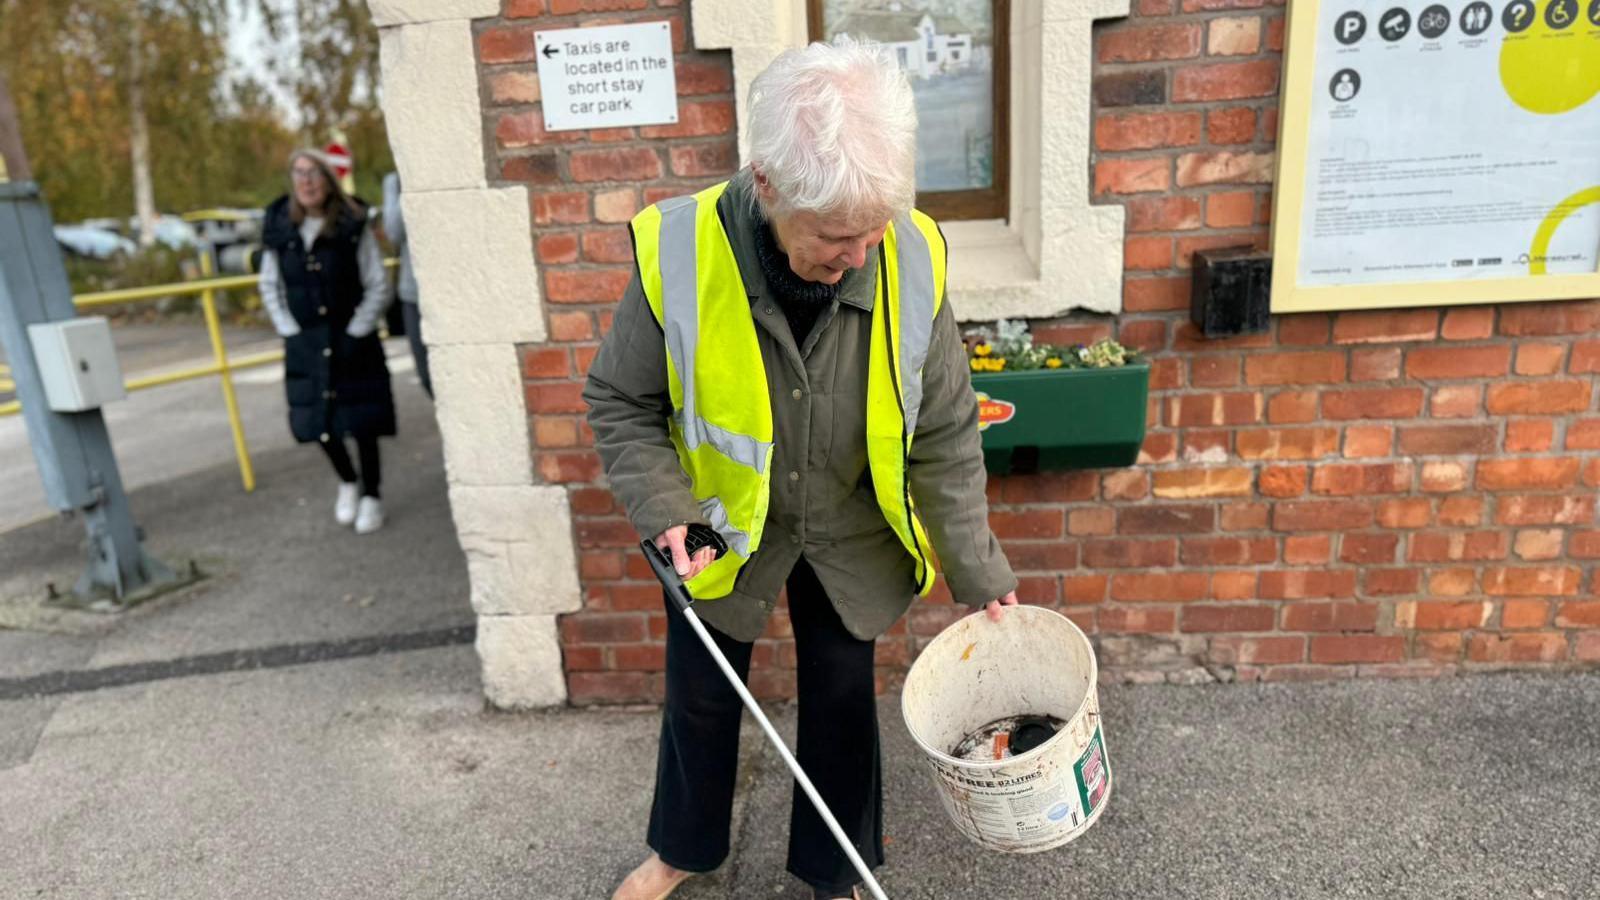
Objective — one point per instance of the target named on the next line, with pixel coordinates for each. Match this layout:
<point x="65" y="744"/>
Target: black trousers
<point x="837" y="747"/>
<point x="371" y="475"/>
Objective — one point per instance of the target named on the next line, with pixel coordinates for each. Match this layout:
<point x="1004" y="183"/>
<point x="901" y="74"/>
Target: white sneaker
<point x="370" y="516"/>
<point x="344" y="511"/>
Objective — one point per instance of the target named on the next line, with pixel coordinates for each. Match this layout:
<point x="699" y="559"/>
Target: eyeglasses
<point x="305" y="174"/>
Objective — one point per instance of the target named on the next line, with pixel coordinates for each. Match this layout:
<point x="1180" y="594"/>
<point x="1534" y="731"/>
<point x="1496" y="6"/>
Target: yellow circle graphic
<point x="1547" y="75"/>
<point x="1547" y="228"/>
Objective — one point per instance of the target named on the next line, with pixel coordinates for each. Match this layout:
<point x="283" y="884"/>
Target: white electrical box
<point x="78" y="363"/>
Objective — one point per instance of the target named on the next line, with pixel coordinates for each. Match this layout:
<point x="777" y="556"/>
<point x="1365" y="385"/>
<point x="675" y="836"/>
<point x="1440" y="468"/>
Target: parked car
<point x="93" y="243"/>
<point x="223" y="227"/>
<point x="171" y="232"/>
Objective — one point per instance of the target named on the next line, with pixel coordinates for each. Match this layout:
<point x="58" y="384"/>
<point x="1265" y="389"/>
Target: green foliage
<point x="212" y="143"/>
<point x="155" y="265"/>
<point x="335" y="79"/>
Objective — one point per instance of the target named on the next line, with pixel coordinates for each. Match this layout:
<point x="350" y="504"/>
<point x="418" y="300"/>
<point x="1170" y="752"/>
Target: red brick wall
<point x="1384" y="493"/>
<point x="584" y="187"/>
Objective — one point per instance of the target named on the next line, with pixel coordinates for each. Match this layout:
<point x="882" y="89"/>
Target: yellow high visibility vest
<point x="722" y="413"/>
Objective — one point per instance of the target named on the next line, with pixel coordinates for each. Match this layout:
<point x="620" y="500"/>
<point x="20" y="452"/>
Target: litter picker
<point x="679" y="594"/>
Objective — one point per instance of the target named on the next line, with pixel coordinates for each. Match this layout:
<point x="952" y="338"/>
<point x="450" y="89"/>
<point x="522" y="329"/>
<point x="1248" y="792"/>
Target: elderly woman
<point x="785" y="370"/>
<point x="323" y="284"/>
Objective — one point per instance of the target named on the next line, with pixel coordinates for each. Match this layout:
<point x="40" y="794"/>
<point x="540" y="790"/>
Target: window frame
<point x="993" y="202"/>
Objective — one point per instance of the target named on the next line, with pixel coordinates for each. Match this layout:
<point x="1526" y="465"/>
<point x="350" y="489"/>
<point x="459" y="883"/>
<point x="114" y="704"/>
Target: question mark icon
<point x="1518" y="16"/>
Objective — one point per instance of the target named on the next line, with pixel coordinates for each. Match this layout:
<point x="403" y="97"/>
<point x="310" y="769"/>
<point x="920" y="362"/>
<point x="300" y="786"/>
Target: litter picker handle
<point x="697" y="538"/>
<point x="661" y="564"/>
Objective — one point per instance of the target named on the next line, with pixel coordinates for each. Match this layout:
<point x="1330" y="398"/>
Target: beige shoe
<point x="653" y="880"/>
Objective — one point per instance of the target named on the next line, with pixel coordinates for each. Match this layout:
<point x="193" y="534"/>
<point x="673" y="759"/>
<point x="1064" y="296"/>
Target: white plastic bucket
<point x="1033" y="662"/>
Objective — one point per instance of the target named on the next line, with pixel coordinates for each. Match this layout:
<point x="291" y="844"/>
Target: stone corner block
<point x="521" y="661"/>
<point x="473" y="252"/>
<point x="519" y="547"/>
<point x="483" y="418"/>
<point x="720" y="24"/>
<point x="431" y="106"/>
<point x="1083" y="10"/>
<point x="413" y="12"/>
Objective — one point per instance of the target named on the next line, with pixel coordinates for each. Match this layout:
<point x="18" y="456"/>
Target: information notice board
<point x="1438" y="153"/>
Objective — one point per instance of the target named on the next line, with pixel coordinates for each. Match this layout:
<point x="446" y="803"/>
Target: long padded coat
<point x="337" y="385"/>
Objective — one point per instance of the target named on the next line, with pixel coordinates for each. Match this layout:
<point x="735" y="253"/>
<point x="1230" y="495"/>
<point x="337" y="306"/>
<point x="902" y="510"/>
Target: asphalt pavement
<point x="307" y="722"/>
<point x="384" y="777"/>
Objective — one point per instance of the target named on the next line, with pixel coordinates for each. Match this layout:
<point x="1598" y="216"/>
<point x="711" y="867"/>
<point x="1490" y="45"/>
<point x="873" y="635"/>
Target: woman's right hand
<point x="688" y="567"/>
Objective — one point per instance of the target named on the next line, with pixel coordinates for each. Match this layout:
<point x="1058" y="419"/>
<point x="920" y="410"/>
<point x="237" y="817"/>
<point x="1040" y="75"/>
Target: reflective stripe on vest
<point x="911" y="262"/>
<point x="722" y="414"/>
<point x="918" y="304"/>
<point x="680" y="315"/>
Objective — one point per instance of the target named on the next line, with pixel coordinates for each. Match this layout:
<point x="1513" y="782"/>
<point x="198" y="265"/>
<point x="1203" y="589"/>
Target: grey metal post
<point x="73" y="450"/>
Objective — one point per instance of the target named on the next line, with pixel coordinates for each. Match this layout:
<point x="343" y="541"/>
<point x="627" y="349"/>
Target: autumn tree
<point x="125" y="107"/>
<point x="334" y="78"/>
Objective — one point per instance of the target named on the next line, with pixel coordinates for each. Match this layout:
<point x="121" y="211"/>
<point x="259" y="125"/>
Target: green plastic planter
<point x="1048" y="419"/>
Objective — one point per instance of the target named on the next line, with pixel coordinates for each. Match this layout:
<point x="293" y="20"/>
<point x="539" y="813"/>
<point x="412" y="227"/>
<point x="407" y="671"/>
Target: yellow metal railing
<point x="224" y="367"/>
<point x="206" y="287"/>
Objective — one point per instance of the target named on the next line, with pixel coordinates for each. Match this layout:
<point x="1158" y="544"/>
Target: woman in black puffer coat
<point x="323" y="283"/>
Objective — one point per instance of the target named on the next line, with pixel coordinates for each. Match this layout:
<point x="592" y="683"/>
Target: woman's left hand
<point x="993" y="609"/>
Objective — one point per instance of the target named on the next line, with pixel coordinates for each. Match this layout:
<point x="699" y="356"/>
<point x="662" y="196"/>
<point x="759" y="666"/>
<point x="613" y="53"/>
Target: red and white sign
<point x="994" y="412"/>
<point x="338" y="157"/>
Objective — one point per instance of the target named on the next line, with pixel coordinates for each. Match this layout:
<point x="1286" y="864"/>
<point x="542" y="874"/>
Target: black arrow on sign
<point x="549" y="50"/>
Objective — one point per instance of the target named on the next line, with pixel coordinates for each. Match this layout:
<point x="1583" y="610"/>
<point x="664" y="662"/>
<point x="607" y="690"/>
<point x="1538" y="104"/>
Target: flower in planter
<point x="1008" y="347"/>
<point x="1104" y="354"/>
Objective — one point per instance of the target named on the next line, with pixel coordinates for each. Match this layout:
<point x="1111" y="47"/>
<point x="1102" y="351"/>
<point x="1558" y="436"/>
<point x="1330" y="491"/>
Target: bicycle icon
<point x="1434" y="21"/>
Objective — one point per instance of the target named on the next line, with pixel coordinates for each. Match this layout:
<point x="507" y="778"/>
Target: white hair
<point x="833" y="129"/>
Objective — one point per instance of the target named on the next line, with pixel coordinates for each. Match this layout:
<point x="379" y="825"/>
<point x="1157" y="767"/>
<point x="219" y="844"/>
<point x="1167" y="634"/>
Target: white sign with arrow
<point x="608" y="76"/>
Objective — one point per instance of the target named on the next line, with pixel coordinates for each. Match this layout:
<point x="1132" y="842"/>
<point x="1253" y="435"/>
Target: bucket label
<point x="994" y="412"/>
<point x="1094" y="776"/>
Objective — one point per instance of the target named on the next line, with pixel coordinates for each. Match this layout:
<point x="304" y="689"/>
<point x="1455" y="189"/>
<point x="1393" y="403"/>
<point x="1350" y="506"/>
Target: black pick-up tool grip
<point x="660" y="560"/>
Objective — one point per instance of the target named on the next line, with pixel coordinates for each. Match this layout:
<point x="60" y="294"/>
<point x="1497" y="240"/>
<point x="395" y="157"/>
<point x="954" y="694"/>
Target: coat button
<point x="327" y="351"/>
<point x="322" y="310"/>
<point x="794" y="476"/>
<point x="794" y="538"/>
<point x="327" y="395"/>
<point x="324" y="437"/>
<point x="767" y="310"/>
<point x="795" y="393"/>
